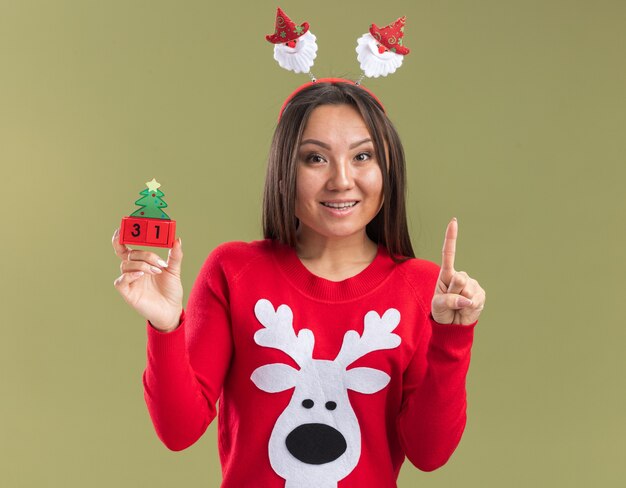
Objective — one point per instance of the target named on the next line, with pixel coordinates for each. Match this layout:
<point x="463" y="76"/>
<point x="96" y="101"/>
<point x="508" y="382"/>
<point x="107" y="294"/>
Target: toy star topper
<point x="295" y="46"/>
<point x="381" y="50"/>
<point x="153" y="184"/>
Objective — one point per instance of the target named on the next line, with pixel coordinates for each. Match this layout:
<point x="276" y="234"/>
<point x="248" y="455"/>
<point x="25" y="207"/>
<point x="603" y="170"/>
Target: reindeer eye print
<point x="308" y="403"/>
<point x="331" y="405"/>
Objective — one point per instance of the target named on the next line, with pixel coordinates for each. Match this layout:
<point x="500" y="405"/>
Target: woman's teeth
<point x="339" y="205"/>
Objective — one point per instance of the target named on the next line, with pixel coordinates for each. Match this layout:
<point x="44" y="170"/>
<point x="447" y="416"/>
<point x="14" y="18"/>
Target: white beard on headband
<point x="298" y="58"/>
<point x="374" y="63"/>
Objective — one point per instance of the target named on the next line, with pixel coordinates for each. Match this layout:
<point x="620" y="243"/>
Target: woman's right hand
<point x="153" y="289"/>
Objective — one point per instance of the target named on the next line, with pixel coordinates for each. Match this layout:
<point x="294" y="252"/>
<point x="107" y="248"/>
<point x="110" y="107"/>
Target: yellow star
<point x="153" y="185"/>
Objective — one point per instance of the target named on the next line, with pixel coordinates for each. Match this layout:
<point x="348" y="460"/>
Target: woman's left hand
<point x="458" y="299"/>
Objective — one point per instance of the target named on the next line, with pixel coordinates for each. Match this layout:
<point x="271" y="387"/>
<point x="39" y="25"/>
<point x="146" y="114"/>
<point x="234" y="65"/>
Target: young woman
<point x="333" y="351"/>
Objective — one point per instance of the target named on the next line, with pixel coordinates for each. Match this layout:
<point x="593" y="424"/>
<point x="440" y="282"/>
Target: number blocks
<point x="148" y="232"/>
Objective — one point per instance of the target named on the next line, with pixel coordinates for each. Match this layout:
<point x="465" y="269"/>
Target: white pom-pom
<point x="373" y="63"/>
<point x="298" y="58"/>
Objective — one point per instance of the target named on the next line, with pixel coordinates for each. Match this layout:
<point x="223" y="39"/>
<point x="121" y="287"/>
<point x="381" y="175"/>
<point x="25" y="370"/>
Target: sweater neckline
<point x="300" y="277"/>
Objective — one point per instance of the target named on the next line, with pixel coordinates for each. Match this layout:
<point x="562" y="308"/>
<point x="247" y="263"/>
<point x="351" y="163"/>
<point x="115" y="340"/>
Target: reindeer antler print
<point x="316" y="440"/>
<point x="279" y="334"/>
<point x="377" y="335"/>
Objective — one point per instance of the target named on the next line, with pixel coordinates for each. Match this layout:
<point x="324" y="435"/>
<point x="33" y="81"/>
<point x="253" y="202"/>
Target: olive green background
<point x="513" y="116"/>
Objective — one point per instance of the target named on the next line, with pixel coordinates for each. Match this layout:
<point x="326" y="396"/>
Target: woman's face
<point x="337" y="167"/>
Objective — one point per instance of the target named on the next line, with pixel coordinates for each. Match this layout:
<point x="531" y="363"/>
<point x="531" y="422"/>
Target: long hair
<point x="389" y="226"/>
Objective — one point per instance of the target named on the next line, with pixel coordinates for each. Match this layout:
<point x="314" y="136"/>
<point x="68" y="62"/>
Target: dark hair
<point x="389" y="226"/>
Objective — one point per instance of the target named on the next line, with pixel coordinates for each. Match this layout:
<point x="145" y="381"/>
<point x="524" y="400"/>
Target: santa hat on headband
<point x="391" y="36"/>
<point x="286" y="30"/>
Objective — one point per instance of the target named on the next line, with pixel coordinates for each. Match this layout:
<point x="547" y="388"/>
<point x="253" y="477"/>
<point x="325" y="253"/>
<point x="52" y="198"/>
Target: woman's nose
<point x="341" y="177"/>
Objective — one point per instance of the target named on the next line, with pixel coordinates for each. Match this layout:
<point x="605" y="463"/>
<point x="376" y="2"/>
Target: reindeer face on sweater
<point x="316" y="441"/>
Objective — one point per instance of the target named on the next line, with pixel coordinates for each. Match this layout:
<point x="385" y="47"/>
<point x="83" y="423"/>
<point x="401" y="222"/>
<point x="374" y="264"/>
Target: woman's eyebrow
<point x="326" y="146"/>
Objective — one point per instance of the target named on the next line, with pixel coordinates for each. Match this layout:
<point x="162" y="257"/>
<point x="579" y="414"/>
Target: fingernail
<point x="137" y="273"/>
<point x="162" y="263"/>
<point x="154" y="269"/>
<point x="464" y="302"/>
<point x="117" y="231"/>
<point x="454" y="218"/>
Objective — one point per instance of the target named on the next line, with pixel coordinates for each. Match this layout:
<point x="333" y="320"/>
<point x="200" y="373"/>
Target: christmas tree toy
<point x="149" y="225"/>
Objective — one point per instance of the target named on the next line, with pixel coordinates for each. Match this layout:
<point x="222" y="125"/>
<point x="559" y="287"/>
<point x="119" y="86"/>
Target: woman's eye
<point x="366" y="154"/>
<point x="315" y="158"/>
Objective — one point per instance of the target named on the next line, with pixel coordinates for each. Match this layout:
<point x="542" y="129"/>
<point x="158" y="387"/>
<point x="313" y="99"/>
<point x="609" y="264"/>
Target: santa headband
<point x="380" y="51"/>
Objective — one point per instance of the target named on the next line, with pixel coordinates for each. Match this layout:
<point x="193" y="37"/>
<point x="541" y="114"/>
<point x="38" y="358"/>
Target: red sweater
<point x="320" y="383"/>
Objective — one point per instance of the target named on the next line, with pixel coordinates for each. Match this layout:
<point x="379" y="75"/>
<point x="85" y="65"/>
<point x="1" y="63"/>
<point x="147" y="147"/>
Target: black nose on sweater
<point x="316" y="443"/>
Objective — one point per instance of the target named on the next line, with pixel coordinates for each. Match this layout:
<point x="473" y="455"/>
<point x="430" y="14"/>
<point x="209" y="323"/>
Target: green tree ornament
<point x="151" y="203"/>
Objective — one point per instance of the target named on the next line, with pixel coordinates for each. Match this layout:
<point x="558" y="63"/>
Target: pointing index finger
<point x="448" y="252"/>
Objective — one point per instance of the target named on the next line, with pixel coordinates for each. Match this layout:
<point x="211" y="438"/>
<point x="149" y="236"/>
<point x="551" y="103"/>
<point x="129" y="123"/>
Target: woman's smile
<point x="340" y="209"/>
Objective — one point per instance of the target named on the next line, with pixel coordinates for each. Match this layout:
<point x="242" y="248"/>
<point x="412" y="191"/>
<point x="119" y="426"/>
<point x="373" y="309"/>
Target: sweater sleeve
<point x="433" y="413"/>
<point x="186" y="367"/>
